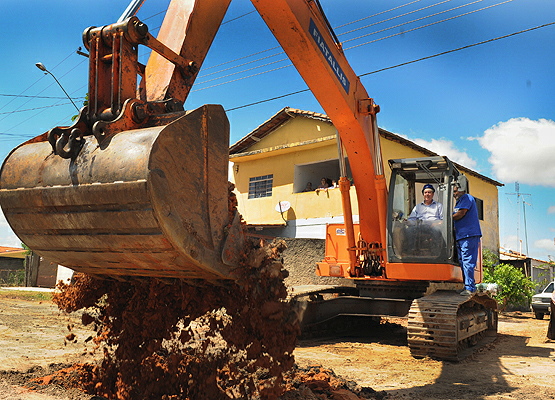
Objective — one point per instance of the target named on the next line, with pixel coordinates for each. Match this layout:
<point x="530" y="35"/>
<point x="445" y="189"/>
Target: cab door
<point x="421" y="239"/>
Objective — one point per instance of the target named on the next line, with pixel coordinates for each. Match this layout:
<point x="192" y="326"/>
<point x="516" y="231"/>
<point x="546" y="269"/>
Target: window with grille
<point x="260" y="186"/>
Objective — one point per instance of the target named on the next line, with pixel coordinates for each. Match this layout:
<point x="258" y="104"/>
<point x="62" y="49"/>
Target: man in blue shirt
<point x="467" y="236"/>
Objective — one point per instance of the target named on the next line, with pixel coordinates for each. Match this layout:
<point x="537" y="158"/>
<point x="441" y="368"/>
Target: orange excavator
<point x="137" y="186"/>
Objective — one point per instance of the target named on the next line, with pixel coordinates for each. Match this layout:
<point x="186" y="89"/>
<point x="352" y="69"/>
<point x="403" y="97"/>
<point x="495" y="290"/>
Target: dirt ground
<point x="35" y="338"/>
<point x="520" y="364"/>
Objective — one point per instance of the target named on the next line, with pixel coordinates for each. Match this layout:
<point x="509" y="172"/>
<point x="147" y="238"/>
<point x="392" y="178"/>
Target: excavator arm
<point x="188" y="29"/>
<point x="138" y="186"/>
<point x="304" y="33"/>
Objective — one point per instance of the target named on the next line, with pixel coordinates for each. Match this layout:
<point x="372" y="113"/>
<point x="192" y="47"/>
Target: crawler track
<point x="448" y="326"/>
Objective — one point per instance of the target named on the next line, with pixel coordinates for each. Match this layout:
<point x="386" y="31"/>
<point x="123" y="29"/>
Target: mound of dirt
<point x="314" y="382"/>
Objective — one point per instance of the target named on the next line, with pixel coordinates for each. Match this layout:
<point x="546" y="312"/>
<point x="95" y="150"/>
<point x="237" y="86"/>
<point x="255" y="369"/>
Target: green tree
<point x="85" y="103"/>
<point x="24" y="246"/>
<point x="514" y="288"/>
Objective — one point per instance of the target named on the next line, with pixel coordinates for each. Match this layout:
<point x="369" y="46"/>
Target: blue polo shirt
<point x="469" y="225"/>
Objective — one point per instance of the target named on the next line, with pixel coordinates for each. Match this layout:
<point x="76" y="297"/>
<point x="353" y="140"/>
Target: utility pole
<point x="518" y="201"/>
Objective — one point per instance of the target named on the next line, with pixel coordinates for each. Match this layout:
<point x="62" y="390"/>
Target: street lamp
<point x="41" y="66"/>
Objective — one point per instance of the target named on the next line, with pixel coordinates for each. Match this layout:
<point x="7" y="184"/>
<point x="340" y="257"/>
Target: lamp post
<point x="131" y="9"/>
<point x="41" y="66"/>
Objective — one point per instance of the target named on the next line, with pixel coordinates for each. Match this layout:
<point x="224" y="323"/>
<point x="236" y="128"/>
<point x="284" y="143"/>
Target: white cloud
<point x="510" y="242"/>
<point x="522" y="150"/>
<point x="551" y="210"/>
<point x="7" y="237"/>
<point x="545" y="244"/>
<point x="9" y="240"/>
<point x="3" y="222"/>
<point x="447" y="148"/>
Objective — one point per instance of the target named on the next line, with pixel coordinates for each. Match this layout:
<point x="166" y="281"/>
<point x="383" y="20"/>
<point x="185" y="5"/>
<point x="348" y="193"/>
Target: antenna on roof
<point x="518" y="201"/>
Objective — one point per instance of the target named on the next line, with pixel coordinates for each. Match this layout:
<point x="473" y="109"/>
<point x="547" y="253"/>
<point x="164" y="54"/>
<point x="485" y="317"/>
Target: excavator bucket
<point x="146" y="202"/>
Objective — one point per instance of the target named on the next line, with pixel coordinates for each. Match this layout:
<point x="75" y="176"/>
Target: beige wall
<point x="270" y="157"/>
<point x="299" y="129"/>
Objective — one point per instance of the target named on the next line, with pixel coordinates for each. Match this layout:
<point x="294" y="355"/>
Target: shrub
<point x="514" y="288"/>
<point x="13" y="278"/>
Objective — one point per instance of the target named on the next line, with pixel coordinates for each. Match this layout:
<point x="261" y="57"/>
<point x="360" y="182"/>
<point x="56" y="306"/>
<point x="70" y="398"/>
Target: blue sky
<point x="489" y="107"/>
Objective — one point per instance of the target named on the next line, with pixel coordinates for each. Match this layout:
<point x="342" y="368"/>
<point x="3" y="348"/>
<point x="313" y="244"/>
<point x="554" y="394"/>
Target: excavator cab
<point x="417" y="233"/>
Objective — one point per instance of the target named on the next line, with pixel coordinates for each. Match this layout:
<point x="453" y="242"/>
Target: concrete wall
<point x="300" y="259"/>
<point x="8" y="267"/>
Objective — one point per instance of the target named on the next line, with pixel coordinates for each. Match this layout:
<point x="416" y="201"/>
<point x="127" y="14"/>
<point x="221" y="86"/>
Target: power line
<point x="397" y="16"/>
<point x="15" y="135"/>
<point x="459" y="48"/>
<point x="381" y="69"/>
<point x="37" y="97"/>
<point x="241" y="65"/>
<point x="375" y="15"/>
<point x="242" y="71"/>
<point x="373" y="41"/>
<point x="267" y="100"/>
<point x="43" y="109"/>
<point x="387" y="68"/>
<point x="236" y="18"/>
<point x="243" y="77"/>
<point x="422" y="26"/>
<point x="266" y="57"/>
<point x="202" y="75"/>
<point x="281" y="52"/>
<point x="349" y="48"/>
<point x="154" y="15"/>
<point x="30" y="98"/>
<point x="405" y="63"/>
<point x="223" y="23"/>
<point x="34" y="83"/>
<point x="151" y="30"/>
<point x="36" y="108"/>
<point x="242" y="58"/>
<point x="12" y="137"/>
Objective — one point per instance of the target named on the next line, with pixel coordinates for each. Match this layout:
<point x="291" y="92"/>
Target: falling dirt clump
<point x="174" y="339"/>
